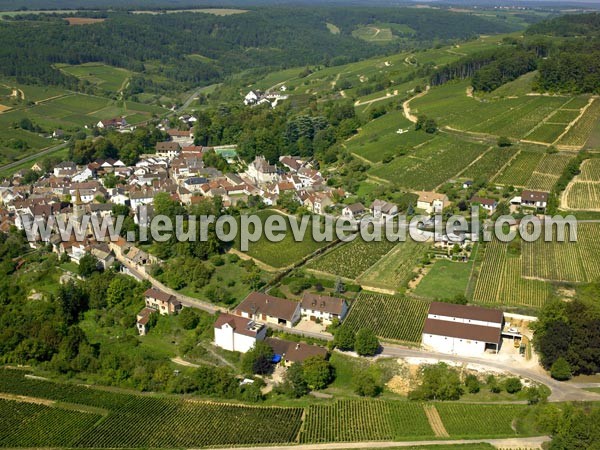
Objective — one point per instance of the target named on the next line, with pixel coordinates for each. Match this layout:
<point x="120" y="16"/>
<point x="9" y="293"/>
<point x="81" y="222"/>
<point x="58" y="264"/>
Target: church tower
<point x="78" y="207"/>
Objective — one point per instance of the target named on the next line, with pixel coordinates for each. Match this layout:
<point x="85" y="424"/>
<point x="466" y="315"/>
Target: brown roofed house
<point x="292" y="352"/>
<point x="321" y="307"/>
<point x="161" y="301"/>
<point x="266" y="308"/>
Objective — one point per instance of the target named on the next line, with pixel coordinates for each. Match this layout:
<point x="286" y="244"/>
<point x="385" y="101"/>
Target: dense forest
<point x="566" y="63"/>
<point x="161" y="46"/>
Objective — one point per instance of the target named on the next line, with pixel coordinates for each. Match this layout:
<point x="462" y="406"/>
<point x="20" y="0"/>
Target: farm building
<point x="464" y="330"/>
<point x="320" y="307"/>
<point x="266" y="308"/>
<point x="237" y="334"/>
<point x="291" y="352"/>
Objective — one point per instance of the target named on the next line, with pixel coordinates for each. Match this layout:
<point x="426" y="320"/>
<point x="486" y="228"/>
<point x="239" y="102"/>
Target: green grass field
<point x="445" y="280"/>
<point x="106" y="77"/>
<point x="284" y="253"/>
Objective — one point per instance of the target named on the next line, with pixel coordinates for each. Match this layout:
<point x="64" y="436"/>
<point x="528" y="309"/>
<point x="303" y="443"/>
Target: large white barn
<point x="463" y="330"/>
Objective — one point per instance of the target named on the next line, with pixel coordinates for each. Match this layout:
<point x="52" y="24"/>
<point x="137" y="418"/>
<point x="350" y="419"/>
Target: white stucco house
<point x="237" y="334"/>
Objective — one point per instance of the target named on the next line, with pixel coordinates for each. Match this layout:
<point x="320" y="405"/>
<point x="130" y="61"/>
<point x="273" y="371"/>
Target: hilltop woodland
<point x="566" y="62"/>
<point x="261" y="39"/>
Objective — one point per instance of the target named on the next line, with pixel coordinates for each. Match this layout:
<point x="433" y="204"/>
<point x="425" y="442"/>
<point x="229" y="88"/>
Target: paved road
<point x="34" y="156"/>
<point x="531" y="442"/>
<point x="560" y="391"/>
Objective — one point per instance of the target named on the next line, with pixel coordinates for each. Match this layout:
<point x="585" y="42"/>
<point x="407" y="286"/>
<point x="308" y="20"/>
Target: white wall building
<point x="462" y="330"/>
<point x="237" y="334"/>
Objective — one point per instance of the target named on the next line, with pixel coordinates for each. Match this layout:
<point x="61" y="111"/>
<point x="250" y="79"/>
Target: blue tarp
<point x="276" y="358"/>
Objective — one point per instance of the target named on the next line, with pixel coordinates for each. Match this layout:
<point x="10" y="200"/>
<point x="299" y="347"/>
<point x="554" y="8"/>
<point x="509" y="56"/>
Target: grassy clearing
<point x="107" y="77"/>
<point x="445" y="280"/>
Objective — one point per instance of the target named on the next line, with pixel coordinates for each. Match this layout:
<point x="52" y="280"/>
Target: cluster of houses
<point x="246" y="324"/>
<point x="256" y="97"/>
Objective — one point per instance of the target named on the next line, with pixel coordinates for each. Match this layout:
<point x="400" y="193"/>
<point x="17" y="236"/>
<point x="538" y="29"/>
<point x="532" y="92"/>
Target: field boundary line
<point x="574" y="122"/>
<point x="544" y="121"/>
<point x="435" y="421"/>
<point x="472" y="162"/>
<point x="505" y="166"/>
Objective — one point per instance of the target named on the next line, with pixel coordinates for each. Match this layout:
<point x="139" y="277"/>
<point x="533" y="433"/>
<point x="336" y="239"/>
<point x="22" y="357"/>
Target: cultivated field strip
<point x="34" y="425"/>
<point x="396" y="268"/>
<point x="500" y="280"/>
<point x="565" y="261"/>
<point x="547" y="171"/>
<point x="579" y="133"/>
<point x="489" y="420"/>
<point x="365" y="420"/>
<point x="390" y="317"/>
<point x="135" y="421"/>
<point x="583" y="193"/>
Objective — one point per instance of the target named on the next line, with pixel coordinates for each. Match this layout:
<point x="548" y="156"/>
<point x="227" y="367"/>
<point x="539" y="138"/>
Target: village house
<point x="322" y="308"/>
<point x="182" y="137"/>
<point x="142" y="319"/>
<point x="252" y="97"/>
<point x="261" y="172"/>
<point x="383" y="210"/>
<point x="289" y="352"/>
<point x="237" y="334"/>
<point x="463" y="330"/>
<point x="161" y="301"/>
<point x="353" y="211"/>
<point x="489" y="204"/>
<point x="269" y="309"/>
<point x="168" y="149"/>
<point x="118" y="122"/>
<point x="432" y="202"/>
<point x="534" y="199"/>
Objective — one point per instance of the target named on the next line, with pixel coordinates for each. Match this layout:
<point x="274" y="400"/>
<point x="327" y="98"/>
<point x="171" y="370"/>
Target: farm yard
<point x="391" y="317"/>
<point x="500" y="279"/>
